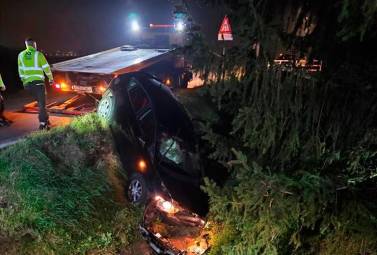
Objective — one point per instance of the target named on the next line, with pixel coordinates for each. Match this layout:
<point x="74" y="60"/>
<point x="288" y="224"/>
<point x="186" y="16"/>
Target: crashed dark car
<point x="156" y="142"/>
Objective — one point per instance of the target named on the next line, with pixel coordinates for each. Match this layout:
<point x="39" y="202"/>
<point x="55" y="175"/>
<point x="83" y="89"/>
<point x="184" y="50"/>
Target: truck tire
<point x="106" y="106"/>
<point x="137" y="190"/>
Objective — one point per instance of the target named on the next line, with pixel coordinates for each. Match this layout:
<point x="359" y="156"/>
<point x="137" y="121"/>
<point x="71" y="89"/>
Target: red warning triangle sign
<point x="225" y="32"/>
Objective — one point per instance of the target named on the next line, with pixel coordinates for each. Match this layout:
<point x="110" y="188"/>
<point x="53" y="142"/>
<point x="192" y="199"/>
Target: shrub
<point x="303" y="167"/>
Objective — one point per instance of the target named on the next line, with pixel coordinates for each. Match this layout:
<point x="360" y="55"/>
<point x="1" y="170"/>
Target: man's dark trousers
<point x="38" y="90"/>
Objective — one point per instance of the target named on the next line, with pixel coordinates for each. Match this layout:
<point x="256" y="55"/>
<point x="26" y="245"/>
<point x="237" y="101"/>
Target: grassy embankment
<point x="61" y="193"/>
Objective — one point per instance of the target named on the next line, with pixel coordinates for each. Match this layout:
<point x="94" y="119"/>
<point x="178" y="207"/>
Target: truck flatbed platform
<point x="115" y="61"/>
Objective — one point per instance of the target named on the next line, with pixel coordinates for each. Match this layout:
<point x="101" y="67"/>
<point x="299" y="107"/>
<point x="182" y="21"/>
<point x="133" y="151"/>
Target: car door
<point x="179" y="170"/>
<point x="145" y="117"/>
<point x="167" y="137"/>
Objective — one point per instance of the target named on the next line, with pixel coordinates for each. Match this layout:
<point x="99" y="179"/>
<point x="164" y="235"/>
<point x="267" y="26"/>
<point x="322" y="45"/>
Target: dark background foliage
<point x="300" y="147"/>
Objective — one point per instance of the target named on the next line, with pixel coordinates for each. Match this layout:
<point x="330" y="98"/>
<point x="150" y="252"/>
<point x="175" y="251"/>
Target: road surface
<point x="25" y="123"/>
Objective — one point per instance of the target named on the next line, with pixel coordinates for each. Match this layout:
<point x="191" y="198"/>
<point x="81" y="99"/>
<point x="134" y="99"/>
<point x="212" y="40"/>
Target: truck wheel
<point x="106" y="106"/>
<point x="137" y="190"/>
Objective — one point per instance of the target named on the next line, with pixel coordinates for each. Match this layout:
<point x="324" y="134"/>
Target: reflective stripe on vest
<point x="34" y="75"/>
<point x="36" y="59"/>
<point x="31" y="68"/>
<point x="22" y="59"/>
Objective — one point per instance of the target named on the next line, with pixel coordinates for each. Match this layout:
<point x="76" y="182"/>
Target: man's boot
<point x="44" y="126"/>
<point x="4" y="122"/>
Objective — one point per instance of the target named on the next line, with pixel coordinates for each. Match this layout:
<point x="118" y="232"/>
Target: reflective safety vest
<point x="32" y="65"/>
<point x="1" y="82"/>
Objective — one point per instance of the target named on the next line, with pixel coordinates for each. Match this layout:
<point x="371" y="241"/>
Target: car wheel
<point x="106" y="106"/>
<point x="137" y="191"/>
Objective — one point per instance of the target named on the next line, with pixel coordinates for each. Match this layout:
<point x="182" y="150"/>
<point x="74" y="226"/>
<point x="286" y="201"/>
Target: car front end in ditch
<point x="171" y="229"/>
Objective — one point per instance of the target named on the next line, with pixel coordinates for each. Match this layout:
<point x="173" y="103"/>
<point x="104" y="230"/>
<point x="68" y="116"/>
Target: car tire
<point x="137" y="190"/>
<point x="106" y="106"/>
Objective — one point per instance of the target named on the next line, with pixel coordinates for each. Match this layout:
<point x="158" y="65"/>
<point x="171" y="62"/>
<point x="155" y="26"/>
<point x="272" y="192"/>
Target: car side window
<point x="147" y="126"/>
<point x="138" y="97"/>
<point x="171" y="149"/>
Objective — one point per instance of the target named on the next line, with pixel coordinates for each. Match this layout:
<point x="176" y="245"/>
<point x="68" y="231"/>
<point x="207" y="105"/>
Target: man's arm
<point x="45" y="66"/>
<point x="2" y="86"/>
<point x="21" y="71"/>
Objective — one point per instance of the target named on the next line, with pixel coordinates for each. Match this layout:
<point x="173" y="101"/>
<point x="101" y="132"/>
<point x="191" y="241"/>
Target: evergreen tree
<point x="300" y="146"/>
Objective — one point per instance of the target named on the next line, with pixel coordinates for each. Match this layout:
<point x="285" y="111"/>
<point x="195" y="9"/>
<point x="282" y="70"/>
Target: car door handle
<point x="142" y="142"/>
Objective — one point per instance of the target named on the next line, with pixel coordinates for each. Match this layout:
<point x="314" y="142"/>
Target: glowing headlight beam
<point x="180" y="26"/>
<point x="135" y="26"/>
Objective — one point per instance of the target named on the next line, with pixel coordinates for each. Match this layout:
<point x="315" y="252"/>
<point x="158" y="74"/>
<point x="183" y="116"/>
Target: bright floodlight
<point x="135" y="26"/>
<point x="180" y="26"/>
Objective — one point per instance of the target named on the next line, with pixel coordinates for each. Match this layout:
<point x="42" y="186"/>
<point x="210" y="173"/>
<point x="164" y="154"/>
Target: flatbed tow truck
<point x="88" y="77"/>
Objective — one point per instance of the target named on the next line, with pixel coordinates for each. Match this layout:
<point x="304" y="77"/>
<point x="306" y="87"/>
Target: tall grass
<point x="61" y="193"/>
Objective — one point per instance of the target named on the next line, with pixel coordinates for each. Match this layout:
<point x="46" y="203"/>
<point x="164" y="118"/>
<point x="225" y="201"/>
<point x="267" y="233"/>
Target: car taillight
<point x="61" y="86"/>
<point x="102" y="89"/>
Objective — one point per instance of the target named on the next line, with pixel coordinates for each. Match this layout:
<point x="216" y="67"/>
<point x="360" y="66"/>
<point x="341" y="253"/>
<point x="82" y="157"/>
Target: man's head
<point x="30" y="42"/>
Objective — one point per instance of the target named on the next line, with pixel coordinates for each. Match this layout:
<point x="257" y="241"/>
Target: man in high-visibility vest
<point x="32" y="66"/>
<point x="3" y="120"/>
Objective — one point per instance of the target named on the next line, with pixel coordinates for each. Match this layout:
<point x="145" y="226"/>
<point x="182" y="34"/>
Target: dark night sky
<point x="87" y="25"/>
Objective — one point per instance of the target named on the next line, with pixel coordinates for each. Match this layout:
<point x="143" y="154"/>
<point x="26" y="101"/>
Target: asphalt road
<point x="26" y="123"/>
